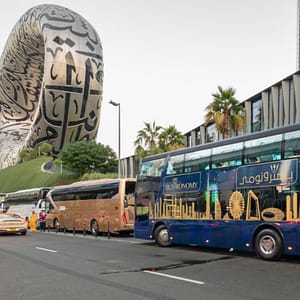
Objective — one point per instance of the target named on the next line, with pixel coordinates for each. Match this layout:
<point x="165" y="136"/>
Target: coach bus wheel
<point x="56" y="225"/>
<point x="268" y="244"/>
<point x="94" y="228"/>
<point x="161" y="236"/>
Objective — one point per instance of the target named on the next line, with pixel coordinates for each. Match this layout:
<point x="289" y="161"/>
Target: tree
<point x="171" y="139"/>
<point x="153" y="139"/>
<point x="147" y="140"/>
<point x="225" y="111"/>
<point x="45" y="148"/>
<point x="85" y="157"/>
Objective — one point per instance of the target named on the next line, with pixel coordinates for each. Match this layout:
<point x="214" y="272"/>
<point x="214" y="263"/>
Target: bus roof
<point x="91" y="184"/>
<point x="28" y="191"/>
<point x="229" y="141"/>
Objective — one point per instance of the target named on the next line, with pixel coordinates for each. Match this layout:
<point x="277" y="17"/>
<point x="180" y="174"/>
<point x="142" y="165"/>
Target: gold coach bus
<point x="104" y="205"/>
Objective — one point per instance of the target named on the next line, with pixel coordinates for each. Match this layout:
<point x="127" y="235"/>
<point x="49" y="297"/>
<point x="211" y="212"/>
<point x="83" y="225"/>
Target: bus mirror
<point x="62" y="208"/>
<point x="125" y="202"/>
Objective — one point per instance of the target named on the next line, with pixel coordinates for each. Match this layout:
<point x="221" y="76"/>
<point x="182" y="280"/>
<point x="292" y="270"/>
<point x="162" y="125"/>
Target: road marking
<point x="100" y="238"/>
<point x="45" y="249"/>
<point x="175" y="277"/>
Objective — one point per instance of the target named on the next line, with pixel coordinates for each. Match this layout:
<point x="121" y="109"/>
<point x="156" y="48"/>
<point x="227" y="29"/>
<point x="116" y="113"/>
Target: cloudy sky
<point x="164" y="58"/>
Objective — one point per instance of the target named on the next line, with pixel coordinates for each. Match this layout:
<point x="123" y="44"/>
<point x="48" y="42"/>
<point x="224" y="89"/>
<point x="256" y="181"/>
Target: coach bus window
<point x="197" y="161"/>
<point x="263" y="149"/>
<point x="292" y="144"/>
<point x="152" y="168"/>
<point x="175" y="164"/>
<point x="227" y="156"/>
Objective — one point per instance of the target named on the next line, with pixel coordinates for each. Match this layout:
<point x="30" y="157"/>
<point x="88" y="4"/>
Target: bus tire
<point x="161" y="236"/>
<point x="268" y="244"/>
<point x="94" y="228"/>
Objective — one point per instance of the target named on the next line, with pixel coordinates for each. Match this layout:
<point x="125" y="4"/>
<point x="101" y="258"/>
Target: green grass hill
<point x="30" y="175"/>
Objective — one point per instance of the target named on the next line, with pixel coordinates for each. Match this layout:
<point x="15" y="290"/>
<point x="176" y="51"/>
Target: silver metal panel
<point x="51" y="80"/>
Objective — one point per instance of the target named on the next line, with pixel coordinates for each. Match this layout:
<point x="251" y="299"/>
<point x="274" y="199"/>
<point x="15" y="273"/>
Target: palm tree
<point x="171" y="139"/>
<point x="225" y="111"/>
<point x="147" y="139"/>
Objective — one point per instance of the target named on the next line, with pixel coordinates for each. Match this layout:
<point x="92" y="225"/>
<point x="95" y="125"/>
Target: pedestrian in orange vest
<point x="33" y="221"/>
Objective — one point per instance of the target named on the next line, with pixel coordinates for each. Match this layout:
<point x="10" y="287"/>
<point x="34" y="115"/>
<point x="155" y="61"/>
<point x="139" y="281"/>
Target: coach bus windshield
<point x="152" y="168"/>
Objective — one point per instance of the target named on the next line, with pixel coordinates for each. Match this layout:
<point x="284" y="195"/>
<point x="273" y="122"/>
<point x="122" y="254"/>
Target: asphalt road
<point x="65" y="266"/>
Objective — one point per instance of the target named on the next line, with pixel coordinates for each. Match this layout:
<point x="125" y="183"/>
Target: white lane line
<point x="175" y="277"/>
<point x="45" y="249"/>
<point x="112" y="239"/>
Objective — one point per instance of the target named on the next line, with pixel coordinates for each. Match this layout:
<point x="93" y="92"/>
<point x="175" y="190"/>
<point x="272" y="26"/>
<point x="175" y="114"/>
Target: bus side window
<point x="292" y="144"/>
<point x="170" y="168"/>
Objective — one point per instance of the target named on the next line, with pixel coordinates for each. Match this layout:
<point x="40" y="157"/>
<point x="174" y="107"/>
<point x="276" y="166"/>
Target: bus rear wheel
<point x="56" y="225"/>
<point x="268" y="244"/>
<point x="94" y="228"/>
<point x="161" y="236"/>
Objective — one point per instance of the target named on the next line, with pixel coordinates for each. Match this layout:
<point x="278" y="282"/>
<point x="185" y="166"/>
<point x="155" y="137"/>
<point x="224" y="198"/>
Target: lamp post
<point x="119" y="136"/>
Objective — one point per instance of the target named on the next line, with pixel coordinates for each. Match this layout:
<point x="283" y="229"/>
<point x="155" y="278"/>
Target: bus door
<point x="129" y="202"/>
<point x="128" y="217"/>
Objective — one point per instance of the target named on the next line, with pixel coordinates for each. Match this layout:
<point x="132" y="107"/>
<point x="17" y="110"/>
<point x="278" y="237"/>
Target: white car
<point x="12" y="224"/>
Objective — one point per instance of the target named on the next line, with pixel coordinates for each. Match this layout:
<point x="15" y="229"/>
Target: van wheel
<point x="94" y="228"/>
<point x="268" y="244"/>
<point x="161" y="236"/>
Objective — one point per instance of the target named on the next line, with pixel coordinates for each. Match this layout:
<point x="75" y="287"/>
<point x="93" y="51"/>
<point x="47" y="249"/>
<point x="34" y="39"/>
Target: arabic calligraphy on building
<point x="274" y="173"/>
<point x="51" y="82"/>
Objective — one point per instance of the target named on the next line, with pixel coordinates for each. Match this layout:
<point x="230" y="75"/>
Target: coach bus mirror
<point x="125" y="202"/>
<point x="62" y="208"/>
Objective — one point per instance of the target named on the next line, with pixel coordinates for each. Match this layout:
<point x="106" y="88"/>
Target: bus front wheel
<point x="268" y="244"/>
<point x="94" y="228"/>
<point x="161" y="236"/>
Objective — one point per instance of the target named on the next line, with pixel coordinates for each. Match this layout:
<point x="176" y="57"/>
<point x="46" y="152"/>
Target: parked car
<point x="12" y="224"/>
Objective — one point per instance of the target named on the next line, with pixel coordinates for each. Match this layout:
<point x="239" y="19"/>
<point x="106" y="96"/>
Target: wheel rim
<point x="163" y="235"/>
<point x="56" y="224"/>
<point x="94" y="227"/>
<point x="267" y="244"/>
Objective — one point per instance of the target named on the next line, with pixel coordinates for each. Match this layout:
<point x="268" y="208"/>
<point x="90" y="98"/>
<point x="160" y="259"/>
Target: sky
<point x="163" y="59"/>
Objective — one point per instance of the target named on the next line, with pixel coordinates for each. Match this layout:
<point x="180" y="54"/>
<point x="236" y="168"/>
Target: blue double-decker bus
<point x="241" y="193"/>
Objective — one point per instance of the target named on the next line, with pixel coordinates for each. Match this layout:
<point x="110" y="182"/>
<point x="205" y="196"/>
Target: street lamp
<point x="119" y="137"/>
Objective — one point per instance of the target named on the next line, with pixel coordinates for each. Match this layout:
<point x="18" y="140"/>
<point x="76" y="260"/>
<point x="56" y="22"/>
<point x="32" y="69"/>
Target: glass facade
<point x="198" y="136"/>
<point x="292" y="101"/>
<point x="188" y="140"/>
<point x="271" y="110"/>
<point x="281" y="110"/>
<point x="211" y="133"/>
<point x="281" y="113"/>
<point x="257" y="115"/>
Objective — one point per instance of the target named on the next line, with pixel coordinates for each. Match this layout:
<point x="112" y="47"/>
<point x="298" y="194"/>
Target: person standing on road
<point x="33" y="221"/>
<point x="42" y="220"/>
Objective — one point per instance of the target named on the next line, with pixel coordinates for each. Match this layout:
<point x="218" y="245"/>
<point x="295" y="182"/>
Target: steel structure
<point x="51" y="79"/>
